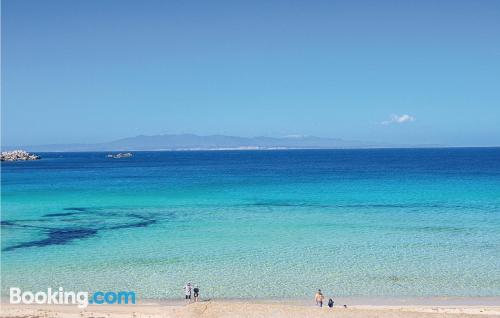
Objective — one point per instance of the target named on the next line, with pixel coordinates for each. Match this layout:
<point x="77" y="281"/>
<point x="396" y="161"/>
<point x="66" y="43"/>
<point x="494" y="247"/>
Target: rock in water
<point x="18" y="155"/>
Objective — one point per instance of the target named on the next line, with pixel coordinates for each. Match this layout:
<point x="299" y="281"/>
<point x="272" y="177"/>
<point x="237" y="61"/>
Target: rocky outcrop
<point x="18" y="155"/>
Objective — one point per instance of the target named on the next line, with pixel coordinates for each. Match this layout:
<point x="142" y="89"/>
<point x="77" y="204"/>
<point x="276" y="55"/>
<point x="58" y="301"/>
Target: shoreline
<point x="354" y="300"/>
<point x="358" y="307"/>
<point x="214" y="309"/>
<point x="374" y="301"/>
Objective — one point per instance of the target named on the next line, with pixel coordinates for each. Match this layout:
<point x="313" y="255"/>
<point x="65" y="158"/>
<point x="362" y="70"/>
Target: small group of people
<point x="192" y="290"/>
<point x="320" y="298"/>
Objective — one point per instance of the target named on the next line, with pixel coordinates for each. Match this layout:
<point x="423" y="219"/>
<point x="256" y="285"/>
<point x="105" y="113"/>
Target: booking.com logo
<point x="62" y="297"/>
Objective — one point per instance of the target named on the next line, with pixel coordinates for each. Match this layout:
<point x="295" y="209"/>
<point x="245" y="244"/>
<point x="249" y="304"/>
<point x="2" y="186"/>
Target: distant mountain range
<point x="212" y="142"/>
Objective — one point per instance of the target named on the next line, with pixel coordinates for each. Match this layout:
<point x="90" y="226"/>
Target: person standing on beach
<point x="319" y="298"/>
<point x="196" y="293"/>
<point x="187" y="291"/>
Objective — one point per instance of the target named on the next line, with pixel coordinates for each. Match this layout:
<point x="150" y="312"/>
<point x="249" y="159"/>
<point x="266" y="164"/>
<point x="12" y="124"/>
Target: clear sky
<point x="397" y="71"/>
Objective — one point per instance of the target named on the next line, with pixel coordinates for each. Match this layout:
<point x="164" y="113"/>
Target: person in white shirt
<point x="187" y="291"/>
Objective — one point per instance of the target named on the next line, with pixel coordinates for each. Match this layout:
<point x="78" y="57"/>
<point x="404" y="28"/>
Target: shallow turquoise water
<point x="394" y="222"/>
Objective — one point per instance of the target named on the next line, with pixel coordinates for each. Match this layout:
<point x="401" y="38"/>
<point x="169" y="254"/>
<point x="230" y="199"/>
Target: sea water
<point x="255" y="224"/>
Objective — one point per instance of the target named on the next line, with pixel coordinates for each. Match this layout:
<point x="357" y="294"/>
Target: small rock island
<point x="18" y="155"/>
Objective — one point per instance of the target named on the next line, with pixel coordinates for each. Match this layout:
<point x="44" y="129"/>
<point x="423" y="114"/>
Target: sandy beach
<point x="235" y="309"/>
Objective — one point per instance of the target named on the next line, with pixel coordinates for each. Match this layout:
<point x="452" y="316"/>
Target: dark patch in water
<point x="396" y="280"/>
<point x="79" y="209"/>
<point x="373" y="206"/>
<point x="60" y="214"/>
<point x="132" y="225"/>
<point x="287" y="204"/>
<point x="73" y="219"/>
<point x="146" y="221"/>
<point x="57" y="237"/>
<point x="138" y="216"/>
<point x="18" y="223"/>
<point x="91" y="224"/>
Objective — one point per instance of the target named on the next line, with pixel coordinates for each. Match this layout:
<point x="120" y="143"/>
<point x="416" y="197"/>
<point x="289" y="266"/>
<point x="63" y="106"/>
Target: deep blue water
<point x="384" y="222"/>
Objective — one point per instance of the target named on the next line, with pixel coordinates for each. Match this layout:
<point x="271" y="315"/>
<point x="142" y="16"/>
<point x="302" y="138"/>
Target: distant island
<point x="212" y="142"/>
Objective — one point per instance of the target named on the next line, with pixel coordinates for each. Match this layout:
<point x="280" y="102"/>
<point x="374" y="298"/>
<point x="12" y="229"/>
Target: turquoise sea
<point x="255" y="224"/>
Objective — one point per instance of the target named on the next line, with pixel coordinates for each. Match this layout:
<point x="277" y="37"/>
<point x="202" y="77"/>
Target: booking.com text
<point x="61" y="297"/>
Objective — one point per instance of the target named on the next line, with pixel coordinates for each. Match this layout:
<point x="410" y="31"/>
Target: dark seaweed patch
<point x="132" y="225"/>
<point x="57" y="237"/>
<point x="91" y="225"/>
<point x="138" y="216"/>
<point x="79" y="209"/>
<point x="286" y="204"/>
<point x="19" y="223"/>
<point x="60" y="214"/>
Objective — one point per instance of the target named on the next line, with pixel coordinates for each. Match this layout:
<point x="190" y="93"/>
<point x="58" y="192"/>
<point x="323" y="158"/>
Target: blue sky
<point x="414" y="72"/>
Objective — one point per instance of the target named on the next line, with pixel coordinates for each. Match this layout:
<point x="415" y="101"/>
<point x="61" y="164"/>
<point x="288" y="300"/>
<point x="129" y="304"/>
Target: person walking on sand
<point x="319" y="298"/>
<point x="187" y="291"/>
<point x="196" y="293"/>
